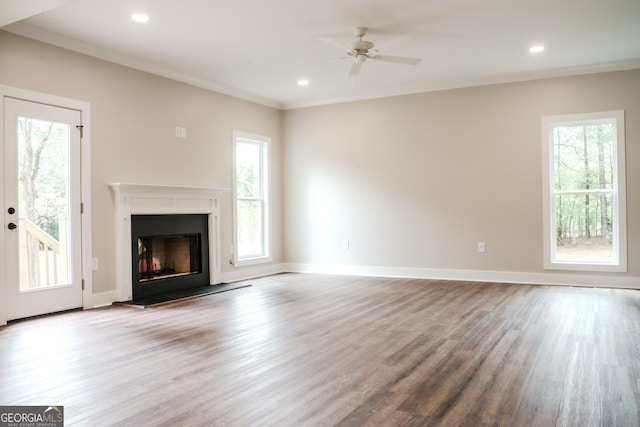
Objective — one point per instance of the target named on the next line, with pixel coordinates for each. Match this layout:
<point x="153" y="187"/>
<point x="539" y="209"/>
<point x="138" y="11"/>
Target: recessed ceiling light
<point x="140" y="17"/>
<point x="536" y="49"/>
<point x="303" y="82"/>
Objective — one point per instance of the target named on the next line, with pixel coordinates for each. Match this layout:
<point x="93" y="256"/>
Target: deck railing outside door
<point x="43" y="259"/>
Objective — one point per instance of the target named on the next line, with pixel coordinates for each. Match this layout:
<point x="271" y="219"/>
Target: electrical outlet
<point x="481" y="247"/>
<point x="346" y="245"/>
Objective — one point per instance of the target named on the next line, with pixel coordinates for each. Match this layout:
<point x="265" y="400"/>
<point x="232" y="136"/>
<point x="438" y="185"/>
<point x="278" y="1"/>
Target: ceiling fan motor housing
<point x="362" y="46"/>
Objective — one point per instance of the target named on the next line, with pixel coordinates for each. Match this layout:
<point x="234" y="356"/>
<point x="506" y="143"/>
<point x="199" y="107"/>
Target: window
<point x="584" y="192"/>
<point x="251" y="198"/>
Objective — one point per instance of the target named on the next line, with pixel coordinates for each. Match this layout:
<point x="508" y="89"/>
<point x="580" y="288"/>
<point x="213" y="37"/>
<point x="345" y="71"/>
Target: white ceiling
<point x="257" y="49"/>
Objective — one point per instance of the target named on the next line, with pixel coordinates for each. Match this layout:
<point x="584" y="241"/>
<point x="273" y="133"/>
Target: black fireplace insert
<point x="169" y="253"/>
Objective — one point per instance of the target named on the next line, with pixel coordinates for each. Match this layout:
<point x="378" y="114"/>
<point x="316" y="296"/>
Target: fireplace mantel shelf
<point x="126" y="188"/>
<point x="146" y="199"/>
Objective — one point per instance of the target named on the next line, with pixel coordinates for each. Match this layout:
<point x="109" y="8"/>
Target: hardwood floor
<point x="315" y="350"/>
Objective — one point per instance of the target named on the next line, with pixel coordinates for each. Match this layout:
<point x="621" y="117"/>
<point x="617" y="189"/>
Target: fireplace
<point x="159" y="202"/>
<point x="168" y="253"/>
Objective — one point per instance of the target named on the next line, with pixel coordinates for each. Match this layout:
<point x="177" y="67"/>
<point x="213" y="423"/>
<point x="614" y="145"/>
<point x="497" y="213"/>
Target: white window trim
<point x="619" y="263"/>
<point x="266" y="141"/>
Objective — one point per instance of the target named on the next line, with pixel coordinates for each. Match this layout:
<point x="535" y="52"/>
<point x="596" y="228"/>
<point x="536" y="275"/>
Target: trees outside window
<point x="42" y="171"/>
<point x="251" y="197"/>
<point x="584" y="195"/>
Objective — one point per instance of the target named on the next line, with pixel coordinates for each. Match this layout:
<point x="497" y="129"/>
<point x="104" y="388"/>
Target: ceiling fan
<point x="360" y="50"/>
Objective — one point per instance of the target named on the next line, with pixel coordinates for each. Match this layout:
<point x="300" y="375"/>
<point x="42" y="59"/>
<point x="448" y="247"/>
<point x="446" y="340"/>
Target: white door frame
<point x="85" y="177"/>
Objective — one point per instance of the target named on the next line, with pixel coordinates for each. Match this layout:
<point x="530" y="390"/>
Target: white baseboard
<point x="544" y="278"/>
<point x="251" y="272"/>
<point x="104" y="299"/>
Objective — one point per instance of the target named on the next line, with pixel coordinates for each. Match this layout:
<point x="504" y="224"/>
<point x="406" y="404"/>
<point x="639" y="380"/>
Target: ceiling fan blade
<point x="390" y="44"/>
<point x="355" y="69"/>
<point x="397" y="59"/>
<point x="336" y="43"/>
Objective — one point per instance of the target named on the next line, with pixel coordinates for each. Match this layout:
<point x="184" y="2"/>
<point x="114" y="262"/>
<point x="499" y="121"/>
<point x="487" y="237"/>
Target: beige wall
<point x="133" y="120"/>
<point x="412" y="181"/>
<point x="416" y="181"/>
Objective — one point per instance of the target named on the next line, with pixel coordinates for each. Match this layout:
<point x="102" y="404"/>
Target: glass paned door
<point x="43" y="202"/>
<point x="42" y="196"/>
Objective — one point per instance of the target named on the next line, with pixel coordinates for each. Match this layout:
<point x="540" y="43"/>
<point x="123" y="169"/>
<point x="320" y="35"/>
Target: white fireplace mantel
<point x="147" y="199"/>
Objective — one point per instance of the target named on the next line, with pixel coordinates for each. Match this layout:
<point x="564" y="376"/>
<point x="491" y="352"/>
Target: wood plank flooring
<point x="316" y="350"/>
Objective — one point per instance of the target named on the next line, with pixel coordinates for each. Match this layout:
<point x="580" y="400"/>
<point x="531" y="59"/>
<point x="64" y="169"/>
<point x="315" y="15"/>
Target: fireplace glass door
<point x="168" y="256"/>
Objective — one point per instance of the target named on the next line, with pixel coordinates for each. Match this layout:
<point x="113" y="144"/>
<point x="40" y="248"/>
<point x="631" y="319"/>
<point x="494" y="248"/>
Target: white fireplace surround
<point x="147" y="199"/>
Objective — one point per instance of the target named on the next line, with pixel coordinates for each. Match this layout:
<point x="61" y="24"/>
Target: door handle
<point x="12" y="226"/>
